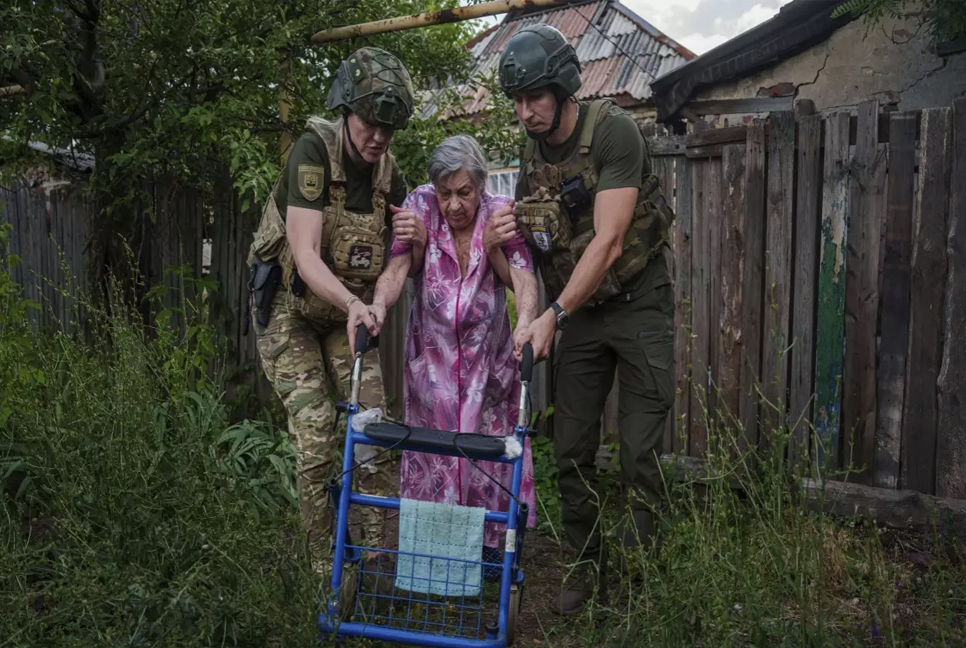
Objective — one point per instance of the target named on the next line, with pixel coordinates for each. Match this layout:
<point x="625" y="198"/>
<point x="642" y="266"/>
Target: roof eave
<point x="800" y="25"/>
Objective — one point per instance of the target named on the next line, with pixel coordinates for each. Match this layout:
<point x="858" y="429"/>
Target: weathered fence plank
<point x="805" y="284"/>
<point x="681" y="244"/>
<point x="778" y="274"/>
<point x="730" y="340"/>
<point x="700" y="312"/>
<point x="664" y="169"/>
<point x="753" y="237"/>
<point x="951" y="444"/>
<point x="829" y="326"/>
<point x="712" y="215"/>
<point x="894" y="327"/>
<point x="927" y="290"/>
<point x="862" y="294"/>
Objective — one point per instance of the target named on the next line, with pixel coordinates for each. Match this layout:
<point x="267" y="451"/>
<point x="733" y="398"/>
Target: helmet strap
<point x="348" y="135"/>
<point x="561" y="98"/>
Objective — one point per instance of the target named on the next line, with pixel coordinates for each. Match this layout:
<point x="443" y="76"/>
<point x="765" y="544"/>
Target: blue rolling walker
<point x="358" y="609"/>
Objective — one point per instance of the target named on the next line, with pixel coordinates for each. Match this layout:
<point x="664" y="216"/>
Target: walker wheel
<point x="513" y="617"/>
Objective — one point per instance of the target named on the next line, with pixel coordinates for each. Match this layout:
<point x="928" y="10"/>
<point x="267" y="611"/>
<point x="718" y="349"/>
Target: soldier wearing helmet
<point x="591" y="208"/>
<point x="314" y="261"/>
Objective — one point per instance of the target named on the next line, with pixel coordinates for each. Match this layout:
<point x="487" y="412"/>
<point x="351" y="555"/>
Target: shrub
<point x="132" y="512"/>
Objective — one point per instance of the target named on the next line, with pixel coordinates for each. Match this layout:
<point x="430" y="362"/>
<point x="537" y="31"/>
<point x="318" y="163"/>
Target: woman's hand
<point x="521" y="336"/>
<point x="378" y="312"/>
<point x="500" y="229"/>
<point x="407" y="228"/>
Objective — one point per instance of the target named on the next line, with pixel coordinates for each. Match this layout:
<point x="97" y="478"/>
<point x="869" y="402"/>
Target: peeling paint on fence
<point x="830" y="325"/>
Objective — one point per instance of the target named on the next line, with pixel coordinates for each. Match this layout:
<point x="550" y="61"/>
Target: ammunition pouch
<point x="542" y="223"/>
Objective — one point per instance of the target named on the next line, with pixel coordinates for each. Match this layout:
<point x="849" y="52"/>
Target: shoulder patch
<point x="311" y="179"/>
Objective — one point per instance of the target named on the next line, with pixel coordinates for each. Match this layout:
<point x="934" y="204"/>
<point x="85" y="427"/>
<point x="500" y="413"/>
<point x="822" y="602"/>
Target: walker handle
<point x="362" y="339"/>
<point x="526" y="365"/>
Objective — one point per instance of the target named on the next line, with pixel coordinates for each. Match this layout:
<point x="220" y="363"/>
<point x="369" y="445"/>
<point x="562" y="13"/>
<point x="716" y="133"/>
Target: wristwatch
<point x="562" y="317"/>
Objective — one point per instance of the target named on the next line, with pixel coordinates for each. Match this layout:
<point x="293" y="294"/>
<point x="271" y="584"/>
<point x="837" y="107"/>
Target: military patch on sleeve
<point x="311" y="179"/>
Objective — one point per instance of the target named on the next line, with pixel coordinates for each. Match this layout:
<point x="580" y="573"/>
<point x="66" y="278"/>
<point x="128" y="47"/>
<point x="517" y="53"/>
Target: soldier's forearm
<point x="599" y="256"/>
<point x="613" y="210"/>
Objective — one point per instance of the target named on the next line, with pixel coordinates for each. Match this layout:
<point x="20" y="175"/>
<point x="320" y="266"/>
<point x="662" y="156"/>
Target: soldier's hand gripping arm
<point x="499" y="230"/>
<point x="406" y="227"/>
<point x="613" y="210"/>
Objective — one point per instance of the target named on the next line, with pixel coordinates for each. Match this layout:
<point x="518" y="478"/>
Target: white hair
<point x="455" y="153"/>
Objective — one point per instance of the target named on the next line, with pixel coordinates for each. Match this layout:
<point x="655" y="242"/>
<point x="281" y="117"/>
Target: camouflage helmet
<point x="538" y="56"/>
<point x="374" y="85"/>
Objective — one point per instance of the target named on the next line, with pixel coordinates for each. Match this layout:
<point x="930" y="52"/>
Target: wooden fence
<point x="50" y="216"/>
<point x="823" y="256"/>
<point x="818" y="255"/>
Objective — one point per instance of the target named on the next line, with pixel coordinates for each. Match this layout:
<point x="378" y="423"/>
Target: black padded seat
<point x="428" y="440"/>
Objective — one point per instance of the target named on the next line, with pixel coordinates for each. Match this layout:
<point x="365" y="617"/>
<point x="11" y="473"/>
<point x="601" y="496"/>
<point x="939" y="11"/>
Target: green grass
<point x="133" y="513"/>
<point x="136" y="512"/>
<point x="745" y="561"/>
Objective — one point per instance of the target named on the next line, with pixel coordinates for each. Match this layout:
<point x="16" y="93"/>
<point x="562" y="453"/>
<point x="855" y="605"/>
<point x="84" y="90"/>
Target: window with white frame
<point x="502" y="183"/>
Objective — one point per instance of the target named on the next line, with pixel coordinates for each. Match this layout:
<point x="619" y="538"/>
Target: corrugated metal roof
<point x="612" y="43"/>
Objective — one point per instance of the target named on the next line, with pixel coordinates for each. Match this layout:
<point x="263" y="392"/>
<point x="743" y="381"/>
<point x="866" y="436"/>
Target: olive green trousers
<point x="636" y="338"/>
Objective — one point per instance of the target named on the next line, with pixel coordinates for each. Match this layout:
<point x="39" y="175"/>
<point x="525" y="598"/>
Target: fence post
<point x="928" y="292"/>
<point x="951" y="468"/>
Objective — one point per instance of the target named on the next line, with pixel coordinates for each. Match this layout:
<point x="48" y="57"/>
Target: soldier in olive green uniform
<point x="318" y="250"/>
<point x="590" y="206"/>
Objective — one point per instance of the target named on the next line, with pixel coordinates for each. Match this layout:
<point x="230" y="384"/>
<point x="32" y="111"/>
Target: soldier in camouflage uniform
<point x="322" y="243"/>
<point x="592" y="210"/>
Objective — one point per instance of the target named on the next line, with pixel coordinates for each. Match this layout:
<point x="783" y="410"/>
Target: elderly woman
<point x="461" y="370"/>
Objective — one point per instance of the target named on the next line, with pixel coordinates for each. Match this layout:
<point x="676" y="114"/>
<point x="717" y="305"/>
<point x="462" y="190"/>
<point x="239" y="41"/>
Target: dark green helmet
<point x="375" y="85"/>
<point x="538" y="56"/>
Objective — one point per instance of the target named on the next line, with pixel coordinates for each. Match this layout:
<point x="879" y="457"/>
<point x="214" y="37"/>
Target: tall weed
<point x="133" y="513"/>
<point x="746" y="559"/>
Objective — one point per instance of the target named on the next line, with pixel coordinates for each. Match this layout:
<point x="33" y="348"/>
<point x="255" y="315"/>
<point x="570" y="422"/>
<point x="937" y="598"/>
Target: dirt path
<point x="544" y="569"/>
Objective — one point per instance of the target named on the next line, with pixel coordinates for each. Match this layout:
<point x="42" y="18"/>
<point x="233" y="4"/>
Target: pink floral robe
<point x="460" y="371"/>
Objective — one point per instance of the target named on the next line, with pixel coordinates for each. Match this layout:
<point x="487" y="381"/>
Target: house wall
<point x="895" y="62"/>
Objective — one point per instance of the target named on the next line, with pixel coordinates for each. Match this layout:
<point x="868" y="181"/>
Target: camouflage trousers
<point x="309" y="366"/>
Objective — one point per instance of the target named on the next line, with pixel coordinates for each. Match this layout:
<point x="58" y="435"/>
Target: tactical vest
<point x="557" y="218"/>
<point x="353" y="244"/>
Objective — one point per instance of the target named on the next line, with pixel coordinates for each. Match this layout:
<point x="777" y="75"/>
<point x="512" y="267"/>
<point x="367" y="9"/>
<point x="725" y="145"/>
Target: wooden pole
<point x="11" y="90"/>
<point x="428" y="18"/>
